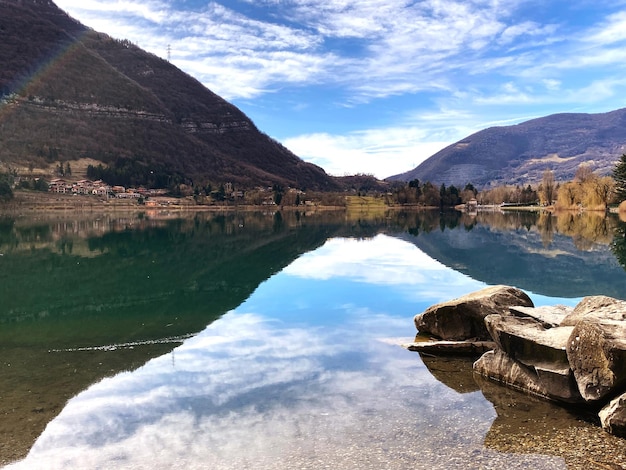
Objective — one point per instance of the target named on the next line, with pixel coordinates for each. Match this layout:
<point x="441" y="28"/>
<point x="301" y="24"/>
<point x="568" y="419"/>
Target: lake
<point x="246" y="340"/>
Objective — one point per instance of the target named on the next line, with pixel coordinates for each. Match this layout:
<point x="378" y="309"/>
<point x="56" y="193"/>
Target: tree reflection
<point x="618" y="245"/>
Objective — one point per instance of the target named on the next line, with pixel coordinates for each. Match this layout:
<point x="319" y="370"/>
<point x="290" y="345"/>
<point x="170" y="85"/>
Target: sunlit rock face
<point x="535" y="355"/>
<point x="613" y="416"/>
<point x="597" y="355"/>
<point x="464" y="318"/>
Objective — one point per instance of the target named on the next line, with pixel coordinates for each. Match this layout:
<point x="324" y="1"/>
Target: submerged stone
<point x="462" y="348"/>
<point x="613" y="416"/>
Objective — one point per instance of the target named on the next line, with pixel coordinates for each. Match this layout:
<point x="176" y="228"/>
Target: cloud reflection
<point x="387" y="261"/>
<point x="246" y="393"/>
<point x="256" y="391"/>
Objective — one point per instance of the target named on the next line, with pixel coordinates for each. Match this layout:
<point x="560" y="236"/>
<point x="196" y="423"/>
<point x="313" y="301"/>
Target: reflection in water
<point x="525" y="424"/>
<point x="618" y="245"/>
<point x="86" y="284"/>
<point x="454" y="372"/>
<point x="252" y="393"/>
<point x="568" y="255"/>
<point x="299" y="366"/>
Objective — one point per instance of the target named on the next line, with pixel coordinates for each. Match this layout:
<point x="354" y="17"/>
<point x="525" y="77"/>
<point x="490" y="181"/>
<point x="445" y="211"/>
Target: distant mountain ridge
<point x="520" y="154"/>
<point x="68" y="92"/>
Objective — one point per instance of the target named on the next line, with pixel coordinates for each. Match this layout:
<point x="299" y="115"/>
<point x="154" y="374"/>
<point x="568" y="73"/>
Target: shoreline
<point x="26" y="202"/>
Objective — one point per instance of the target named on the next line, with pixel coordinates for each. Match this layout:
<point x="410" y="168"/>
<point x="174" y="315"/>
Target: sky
<point x="378" y="86"/>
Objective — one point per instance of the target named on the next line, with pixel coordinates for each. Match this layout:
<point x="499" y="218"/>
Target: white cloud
<point x="526" y="29"/>
<point x="380" y="152"/>
<point x="398" y="47"/>
<point x="551" y="84"/>
<point x="613" y="30"/>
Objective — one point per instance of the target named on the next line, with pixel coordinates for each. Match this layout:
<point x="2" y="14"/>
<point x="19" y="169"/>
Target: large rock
<point x="546" y="381"/>
<point x="596" y="307"/>
<point x="613" y="416"/>
<point x="464" y="318"/>
<point x="549" y="316"/>
<point x="541" y="350"/>
<point x="596" y="351"/>
<point x="528" y="341"/>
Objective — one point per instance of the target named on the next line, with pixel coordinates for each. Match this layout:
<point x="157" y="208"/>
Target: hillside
<point x="520" y="154"/>
<point x="68" y="92"/>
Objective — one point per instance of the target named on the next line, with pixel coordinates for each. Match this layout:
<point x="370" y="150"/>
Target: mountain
<point x="519" y="154"/>
<point x="68" y="92"/>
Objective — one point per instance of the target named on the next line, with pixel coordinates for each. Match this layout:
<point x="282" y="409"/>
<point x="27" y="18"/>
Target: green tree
<point x="6" y="192"/>
<point x="278" y="194"/>
<point x="619" y="175"/>
<point x="40" y="184"/>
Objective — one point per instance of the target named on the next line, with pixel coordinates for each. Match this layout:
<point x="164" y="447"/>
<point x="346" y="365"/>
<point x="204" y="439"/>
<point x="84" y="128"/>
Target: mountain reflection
<point x="84" y="298"/>
<point x="565" y="255"/>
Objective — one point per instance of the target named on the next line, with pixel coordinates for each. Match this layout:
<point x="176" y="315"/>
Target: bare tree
<point x="584" y="173"/>
<point x="547" y="187"/>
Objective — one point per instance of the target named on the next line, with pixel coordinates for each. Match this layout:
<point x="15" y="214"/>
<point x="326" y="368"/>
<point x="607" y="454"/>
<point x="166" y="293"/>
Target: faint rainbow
<point x="32" y="85"/>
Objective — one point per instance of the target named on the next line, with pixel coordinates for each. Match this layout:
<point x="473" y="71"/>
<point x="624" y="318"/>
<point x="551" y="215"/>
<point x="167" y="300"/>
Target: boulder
<point x="526" y="340"/>
<point x="544" y="381"/>
<point x="549" y="316"/>
<point x="463" y="318"/>
<point x="568" y="355"/>
<point x="541" y="350"/>
<point x="613" y="416"/>
<point x="597" y="307"/>
<point x="596" y="351"/>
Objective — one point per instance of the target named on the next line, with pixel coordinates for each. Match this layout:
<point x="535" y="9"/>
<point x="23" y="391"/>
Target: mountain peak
<point x="521" y="153"/>
<point x="76" y="93"/>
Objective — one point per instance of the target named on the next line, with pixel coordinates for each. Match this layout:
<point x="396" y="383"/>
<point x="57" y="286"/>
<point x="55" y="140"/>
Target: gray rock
<point x="596" y="351"/>
<point x="527" y="341"/>
<point x="463" y="318"/>
<point x="496" y="365"/>
<point x="464" y="348"/>
<point x="549" y="316"/>
<point x="562" y="354"/>
<point x="545" y="381"/>
<point x="613" y="416"/>
<point x="598" y="307"/>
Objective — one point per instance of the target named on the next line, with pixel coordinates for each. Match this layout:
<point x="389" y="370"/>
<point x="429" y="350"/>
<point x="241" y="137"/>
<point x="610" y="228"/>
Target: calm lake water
<point x="272" y="341"/>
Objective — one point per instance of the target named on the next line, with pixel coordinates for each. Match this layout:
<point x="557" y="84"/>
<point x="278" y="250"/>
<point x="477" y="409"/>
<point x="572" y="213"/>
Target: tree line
<point x="587" y="191"/>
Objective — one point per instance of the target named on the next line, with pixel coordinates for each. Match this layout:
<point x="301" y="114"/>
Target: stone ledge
<point x="466" y="348"/>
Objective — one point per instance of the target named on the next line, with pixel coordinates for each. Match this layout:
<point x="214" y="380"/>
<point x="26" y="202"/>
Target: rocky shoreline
<point x="572" y="356"/>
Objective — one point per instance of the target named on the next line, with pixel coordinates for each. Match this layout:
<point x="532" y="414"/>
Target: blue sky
<point x="377" y="86"/>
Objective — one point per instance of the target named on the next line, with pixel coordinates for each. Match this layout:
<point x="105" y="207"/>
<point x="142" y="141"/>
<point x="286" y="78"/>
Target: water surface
<point x="273" y="341"/>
